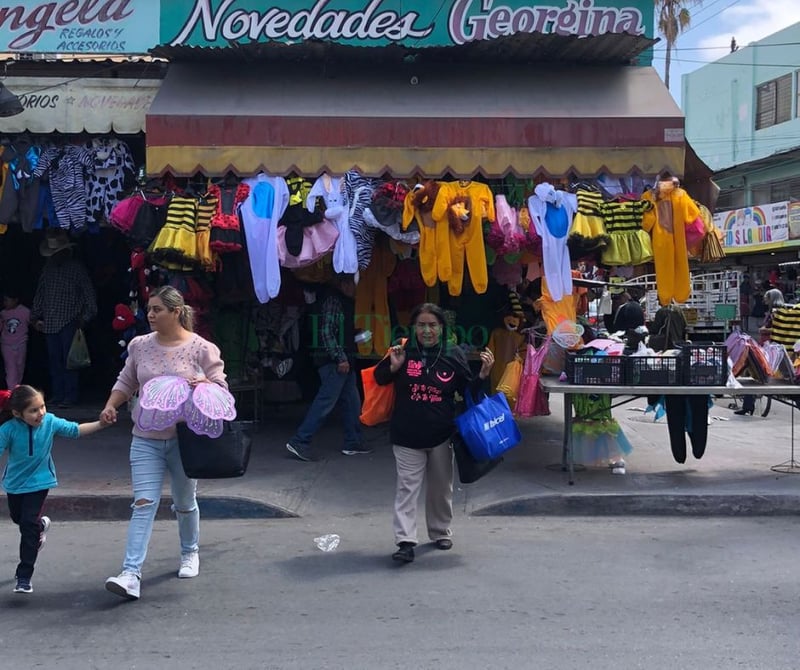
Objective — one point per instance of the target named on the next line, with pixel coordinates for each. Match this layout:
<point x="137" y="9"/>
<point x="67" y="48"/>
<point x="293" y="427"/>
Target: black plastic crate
<point x="653" y="370"/>
<point x="703" y="363"/>
<point x="592" y="369"/>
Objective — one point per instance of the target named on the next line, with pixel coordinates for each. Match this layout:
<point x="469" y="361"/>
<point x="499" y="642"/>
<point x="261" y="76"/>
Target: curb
<point x="118" y="508"/>
<point x="646" y="505"/>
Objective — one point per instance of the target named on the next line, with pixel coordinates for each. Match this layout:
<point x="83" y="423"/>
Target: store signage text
<point x="384" y="21"/>
<point x="79" y="26"/>
<point x="754" y="226"/>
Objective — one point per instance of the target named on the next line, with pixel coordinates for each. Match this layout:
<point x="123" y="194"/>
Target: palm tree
<point x="673" y="19"/>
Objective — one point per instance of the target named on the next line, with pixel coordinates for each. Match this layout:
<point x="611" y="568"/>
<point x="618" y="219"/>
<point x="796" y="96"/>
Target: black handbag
<point x="469" y="468"/>
<point x="220" y="457"/>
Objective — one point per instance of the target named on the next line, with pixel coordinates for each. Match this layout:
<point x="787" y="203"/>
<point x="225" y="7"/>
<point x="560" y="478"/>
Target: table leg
<point x="568" y="458"/>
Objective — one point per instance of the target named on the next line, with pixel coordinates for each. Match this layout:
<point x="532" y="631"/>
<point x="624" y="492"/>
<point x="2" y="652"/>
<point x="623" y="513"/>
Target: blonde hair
<point x="173" y="300"/>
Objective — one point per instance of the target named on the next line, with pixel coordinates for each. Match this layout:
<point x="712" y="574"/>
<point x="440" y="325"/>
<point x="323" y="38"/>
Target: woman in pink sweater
<point x="171" y="349"/>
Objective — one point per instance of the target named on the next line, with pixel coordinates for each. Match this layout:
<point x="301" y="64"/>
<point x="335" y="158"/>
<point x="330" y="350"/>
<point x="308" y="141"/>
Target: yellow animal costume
<point x="462" y="206"/>
<point x="434" y="238"/>
<point x="666" y="223"/>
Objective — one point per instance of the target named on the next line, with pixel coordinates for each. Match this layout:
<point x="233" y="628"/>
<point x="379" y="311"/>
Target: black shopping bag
<point x="469" y="468"/>
<point x="220" y="457"/>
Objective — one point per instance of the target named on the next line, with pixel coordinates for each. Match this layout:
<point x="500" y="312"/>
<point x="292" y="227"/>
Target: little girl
<point x="27" y="433"/>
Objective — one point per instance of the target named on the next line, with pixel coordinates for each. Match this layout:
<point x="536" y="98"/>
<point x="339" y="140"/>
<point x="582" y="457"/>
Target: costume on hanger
<point x="337" y="210"/>
<point x="434" y="241"/>
<point x="226" y="234"/>
<point x="587" y="233"/>
<point x="666" y="222"/>
<point x="687" y="414"/>
<point x="358" y="191"/>
<point x="506" y="342"/>
<point x="261" y="211"/>
<point x="372" y="300"/>
<point x="464" y="205"/>
<point x="385" y="213"/>
<point x="175" y="246"/>
<point x="206" y="258"/>
<point x="113" y="167"/>
<point x="628" y="243"/>
<point x="552" y="212"/>
<point x="67" y="169"/>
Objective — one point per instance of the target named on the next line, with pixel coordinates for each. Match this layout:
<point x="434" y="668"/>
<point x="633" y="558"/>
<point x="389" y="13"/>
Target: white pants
<point x="434" y="467"/>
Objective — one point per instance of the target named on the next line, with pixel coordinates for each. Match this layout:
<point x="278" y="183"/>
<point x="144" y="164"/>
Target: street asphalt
<point x="735" y="477"/>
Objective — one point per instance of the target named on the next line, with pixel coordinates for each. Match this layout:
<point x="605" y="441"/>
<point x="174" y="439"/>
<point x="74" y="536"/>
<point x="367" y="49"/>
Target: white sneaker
<point x="43" y="533"/>
<point x="190" y="566"/>
<point x="126" y="585"/>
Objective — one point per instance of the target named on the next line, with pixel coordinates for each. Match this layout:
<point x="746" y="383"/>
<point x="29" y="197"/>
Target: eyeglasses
<point x="427" y="326"/>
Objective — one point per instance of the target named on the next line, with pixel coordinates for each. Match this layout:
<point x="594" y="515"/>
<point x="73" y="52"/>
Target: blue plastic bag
<point x="488" y="427"/>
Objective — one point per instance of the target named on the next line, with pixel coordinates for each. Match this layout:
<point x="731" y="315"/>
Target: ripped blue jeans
<point x="150" y="460"/>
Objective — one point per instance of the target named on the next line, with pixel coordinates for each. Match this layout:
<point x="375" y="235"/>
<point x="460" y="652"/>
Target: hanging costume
<point x="358" y="191"/>
<point x="260" y="213"/>
<point x="337" y="210"/>
<point x="463" y="205"/>
<point x="434" y="241"/>
<point x="226" y="234"/>
<point x="666" y="222"/>
<point x="372" y="300"/>
<point x="175" y="246"/>
<point x="587" y="233"/>
<point x="551" y="212"/>
<point x="597" y="437"/>
<point x="628" y="242"/>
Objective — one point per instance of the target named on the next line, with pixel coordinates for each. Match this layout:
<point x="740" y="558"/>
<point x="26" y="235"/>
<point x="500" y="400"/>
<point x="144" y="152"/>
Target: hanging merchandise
<point x="114" y="168"/>
<point x="22" y="195"/>
<point x="505" y="236"/>
<point x="552" y="212"/>
<point x="628" y="243"/>
<point x="510" y="381"/>
<point x="67" y="169"/>
<point x="666" y="222"/>
<point x="506" y="342"/>
<point x="596" y="435"/>
<point x="372" y="301"/>
<point x="260" y="212"/>
<point x="405" y="288"/>
<point x="226" y="234"/>
<point x="385" y="213"/>
<point x="588" y="232"/>
<point x="532" y="400"/>
<point x="358" y="191"/>
<point x="434" y="244"/>
<point x="150" y="218"/>
<point x="337" y="211"/>
<point x="462" y="206"/>
<point x="175" y="246"/>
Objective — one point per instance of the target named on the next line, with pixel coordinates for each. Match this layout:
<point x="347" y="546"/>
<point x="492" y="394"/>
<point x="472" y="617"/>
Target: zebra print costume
<point x="67" y="169"/>
<point x="359" y="194"/>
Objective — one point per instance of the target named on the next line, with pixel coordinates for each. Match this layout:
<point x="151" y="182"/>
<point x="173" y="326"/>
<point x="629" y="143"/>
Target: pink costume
<point x="14" y="342"/>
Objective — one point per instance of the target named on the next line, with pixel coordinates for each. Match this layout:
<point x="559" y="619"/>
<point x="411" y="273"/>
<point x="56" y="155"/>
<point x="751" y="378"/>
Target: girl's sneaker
<point x="126" y="585"/>
<point x="43" y="533"/>
<point x="23" y="585"/>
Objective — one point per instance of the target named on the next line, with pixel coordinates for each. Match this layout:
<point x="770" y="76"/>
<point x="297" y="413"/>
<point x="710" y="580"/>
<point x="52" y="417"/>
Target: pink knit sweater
<point x="147" y="359"/>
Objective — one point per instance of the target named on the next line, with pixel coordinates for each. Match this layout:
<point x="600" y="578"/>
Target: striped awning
<point x="463" y="121"/>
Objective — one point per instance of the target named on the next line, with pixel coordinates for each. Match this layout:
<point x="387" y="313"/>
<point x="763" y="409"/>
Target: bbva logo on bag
<point x="491" y="423"/>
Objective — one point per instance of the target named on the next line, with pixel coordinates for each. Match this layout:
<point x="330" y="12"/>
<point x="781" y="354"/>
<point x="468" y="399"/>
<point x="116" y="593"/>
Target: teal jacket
<point x="30" y="465"/>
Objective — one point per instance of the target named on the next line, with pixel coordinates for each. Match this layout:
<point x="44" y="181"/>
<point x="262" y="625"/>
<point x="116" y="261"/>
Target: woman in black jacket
<point x="427" y="373"/>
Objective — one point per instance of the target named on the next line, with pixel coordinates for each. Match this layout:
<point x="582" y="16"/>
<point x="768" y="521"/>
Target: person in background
<point x="15" y="319"/>
<point x="335" y="358"/>
<point x="773" y="298"/>
<point x="172" y="348"/>
<point x="27" y="434"/>
<point x="427" y="373"/>
<point x="630" y="314"/>
<point x="64" y="301"/>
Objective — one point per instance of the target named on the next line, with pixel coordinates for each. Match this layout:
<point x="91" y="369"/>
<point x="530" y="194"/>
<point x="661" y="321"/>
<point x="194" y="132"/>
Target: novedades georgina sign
<point x="468" y="20"/>
<point x="50" y="16"/>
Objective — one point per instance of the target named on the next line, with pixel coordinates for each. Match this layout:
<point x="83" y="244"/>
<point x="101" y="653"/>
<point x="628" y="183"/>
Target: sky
<point x="713" y="23"/>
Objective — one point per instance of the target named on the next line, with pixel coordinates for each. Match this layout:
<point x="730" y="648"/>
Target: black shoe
<point x="444" y="543"/>
<point x="300" y="453"/>
<point x="23" y="585"/>
<point x="743" y="412"/>
<point x="404" y="553"/>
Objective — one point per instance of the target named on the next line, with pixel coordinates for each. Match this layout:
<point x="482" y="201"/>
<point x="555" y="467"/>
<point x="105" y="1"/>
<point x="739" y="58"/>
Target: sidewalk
<point x="734" y="476"/>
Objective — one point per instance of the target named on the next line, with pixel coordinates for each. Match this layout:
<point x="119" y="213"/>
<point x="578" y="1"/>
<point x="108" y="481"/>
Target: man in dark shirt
<point x="334" y="356"/>
<point x="65" y="300"/>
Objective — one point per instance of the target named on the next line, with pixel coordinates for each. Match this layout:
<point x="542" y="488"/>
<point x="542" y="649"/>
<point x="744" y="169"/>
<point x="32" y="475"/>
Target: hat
<point x="52" y="244"/>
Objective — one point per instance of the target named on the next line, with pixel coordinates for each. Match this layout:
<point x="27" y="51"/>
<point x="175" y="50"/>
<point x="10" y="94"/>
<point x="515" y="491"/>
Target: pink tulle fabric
<point x="167" y="400"/>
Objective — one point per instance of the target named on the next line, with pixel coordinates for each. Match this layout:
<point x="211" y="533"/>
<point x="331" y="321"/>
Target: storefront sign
<point x="755" y="228"/>
<point x="75" y="106"/>
<point x="205" y="23"/>
<point x="79" y="26"/>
